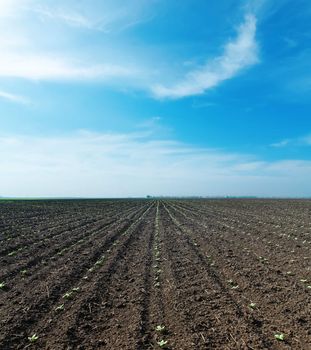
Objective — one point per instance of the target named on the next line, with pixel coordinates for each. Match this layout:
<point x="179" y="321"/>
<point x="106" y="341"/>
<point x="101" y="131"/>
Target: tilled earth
<point x="155" y="274"/>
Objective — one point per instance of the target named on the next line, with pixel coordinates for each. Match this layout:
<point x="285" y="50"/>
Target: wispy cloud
<point x="13" y="98"/>
<point x="55" y="67"/>
<point x="154" y="127"/>
<point x="94" y="164"/>
<point x="107" y="16"/>
<point x="74" y="19"/>
<point x="281" y="144"/>
<point x="293" y="142"/>
<point x="239" y="54"/>
<point x="30" y="52"/>
<point x="306" y="139"/>
<point x="8" y="7"/>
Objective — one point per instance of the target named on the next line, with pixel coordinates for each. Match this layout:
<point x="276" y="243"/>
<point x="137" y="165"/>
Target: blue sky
<point x="128" y="98"/>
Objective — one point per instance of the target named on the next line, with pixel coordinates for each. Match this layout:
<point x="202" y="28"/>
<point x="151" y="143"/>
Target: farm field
<point x="151" y="274"/>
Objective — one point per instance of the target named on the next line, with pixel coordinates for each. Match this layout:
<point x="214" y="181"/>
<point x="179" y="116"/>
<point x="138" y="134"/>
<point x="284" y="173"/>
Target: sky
<point x="126" y="98"/>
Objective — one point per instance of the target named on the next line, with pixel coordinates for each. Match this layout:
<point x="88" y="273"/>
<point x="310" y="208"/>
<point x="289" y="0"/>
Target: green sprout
<point x="252" y="305"/>
<point x="2" y="285"/>
<point x="99" y="262"/>
<point x="303" y="280"/>
<point x="160" y="328"/>
<point x="33" y="338"/>
<point x="24" y="272"/>
<point x="262" y="259"/>
<point x="162" y="343"/>
<point x="76" y="289"/>
<point x="60" y="307"/>
<point x="233" y="285"/>
<point x="279" y="336"/>
<point x="67" y="295"/>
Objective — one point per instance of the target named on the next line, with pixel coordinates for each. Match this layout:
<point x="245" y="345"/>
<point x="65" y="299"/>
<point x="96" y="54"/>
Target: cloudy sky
<point x="135" y="97"/>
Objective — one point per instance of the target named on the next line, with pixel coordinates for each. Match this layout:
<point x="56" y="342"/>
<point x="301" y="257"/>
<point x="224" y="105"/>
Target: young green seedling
<point x="160" y="328"/>
<point x="98" y="262"/>
<point x="2" y="285"/>
<point x="162" y="343"/>
<point x="33" y="338"/>
<point x="60" y="307"/>
<point x="67" y="295"/>
<point x="279" y="336"/>
<point x="252" y="305"/>
<point x="233" y="285"/>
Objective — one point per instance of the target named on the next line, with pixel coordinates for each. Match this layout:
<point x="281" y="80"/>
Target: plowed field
<point x="152" y="274"/>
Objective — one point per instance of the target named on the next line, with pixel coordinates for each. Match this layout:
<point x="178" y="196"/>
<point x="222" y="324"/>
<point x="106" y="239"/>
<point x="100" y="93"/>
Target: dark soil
<point x="148" y="274"/>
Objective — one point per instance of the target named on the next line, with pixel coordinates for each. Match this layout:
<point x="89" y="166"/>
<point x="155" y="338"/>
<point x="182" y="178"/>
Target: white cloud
<point x="41" y="50"/>
<point x="307" y="139"/>
<point x="29" y="48"/>
<point x="71" y="18"/>
<point x="281" y="144"/>
<point x="104" y="16"/>
<point x="293" y="142"/>
<point x="238" y="54"/>
<point x="93" y="164"/>
<point x="13" y="98"/>
<point x="55" y="67"/>
<point x="9" y="7"/>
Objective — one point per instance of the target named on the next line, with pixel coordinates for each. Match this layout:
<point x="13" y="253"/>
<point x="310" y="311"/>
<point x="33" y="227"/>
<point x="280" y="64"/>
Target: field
<point x="152" y="274"/>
